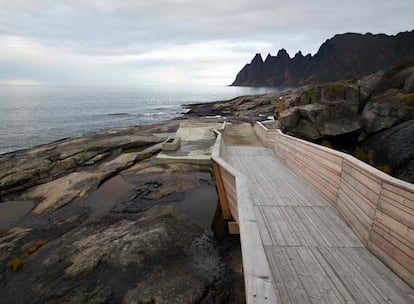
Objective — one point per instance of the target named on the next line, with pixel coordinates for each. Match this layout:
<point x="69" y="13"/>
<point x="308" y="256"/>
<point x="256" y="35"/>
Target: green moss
<point x="145" y="156"/>
<point x="353" y="81"/>
<point x="399" y="99"/>
<point x="408" y="99"/>
<point x="314" y="92"/>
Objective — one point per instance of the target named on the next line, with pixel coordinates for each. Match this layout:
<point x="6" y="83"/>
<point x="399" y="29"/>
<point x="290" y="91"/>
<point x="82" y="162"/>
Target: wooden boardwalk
<point x="314" y="256"/>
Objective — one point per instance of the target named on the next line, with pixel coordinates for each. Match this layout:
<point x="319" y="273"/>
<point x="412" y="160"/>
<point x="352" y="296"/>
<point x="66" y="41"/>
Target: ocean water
<point x="34" y="115"/>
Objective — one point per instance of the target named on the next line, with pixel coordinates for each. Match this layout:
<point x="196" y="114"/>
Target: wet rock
<point x="9" y="239"/>
<point x="61" y="191"/>
<point x="26" y="168"/>
<point x="161" y="256"/>
<point x="127" y="242"/>
<point x="144" y="246"/>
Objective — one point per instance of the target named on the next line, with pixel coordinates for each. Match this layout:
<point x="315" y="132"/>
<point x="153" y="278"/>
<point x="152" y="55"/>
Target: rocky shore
<point x="96" y="219"/>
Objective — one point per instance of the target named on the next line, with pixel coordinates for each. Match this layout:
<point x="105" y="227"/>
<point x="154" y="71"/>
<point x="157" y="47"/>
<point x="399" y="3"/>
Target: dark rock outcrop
<point x="344" y="56"/>
<point x="393" y="149"/>
<point x="322" y="111"/>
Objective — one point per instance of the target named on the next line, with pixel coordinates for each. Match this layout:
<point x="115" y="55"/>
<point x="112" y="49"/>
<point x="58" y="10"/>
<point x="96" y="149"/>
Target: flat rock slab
<point x="197" y="140"/>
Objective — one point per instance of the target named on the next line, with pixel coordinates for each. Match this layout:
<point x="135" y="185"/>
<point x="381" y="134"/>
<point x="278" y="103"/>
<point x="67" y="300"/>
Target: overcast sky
<point x="174" y="42"/>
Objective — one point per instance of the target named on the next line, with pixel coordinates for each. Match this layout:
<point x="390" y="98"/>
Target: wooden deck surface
<point x="314" y="256"/>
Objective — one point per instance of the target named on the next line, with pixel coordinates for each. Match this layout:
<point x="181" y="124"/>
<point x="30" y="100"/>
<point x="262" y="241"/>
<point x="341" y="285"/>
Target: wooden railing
<point x="236" y="203"/>
<point x="378" y="207"/>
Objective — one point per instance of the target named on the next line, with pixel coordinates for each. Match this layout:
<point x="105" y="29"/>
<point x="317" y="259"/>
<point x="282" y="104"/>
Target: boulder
<point x="305" y="129"/>
<point x="387" y="110"/>
<point x="394" y="148"/>
<point x="368" y="84"/>
<point x="399" y="78"/>
<point x="324" y="119"/>
<point x="289" y="118"/>
<point x="339" y="127"/>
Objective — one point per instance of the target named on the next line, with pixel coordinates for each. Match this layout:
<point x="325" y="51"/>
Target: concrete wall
<point x="378" y="207"/>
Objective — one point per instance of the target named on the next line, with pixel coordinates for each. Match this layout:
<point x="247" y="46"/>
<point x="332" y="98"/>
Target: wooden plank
<point x="312" y="148"/>
<point x="224" y="205"/>
<point x="361" y="188"/>
<point x="367" y="284"/>
<point x="337" y="284"/>
<point x="399" y="269"/>
<point x="355" y="211"/>
<point x="341" y="232"/>
<point x="405" y="193"/>
<point x="233" y="228"/>
<point x="395" y="289"/>
<point x="345" y="274"/>
<point x="326" y="286"/>
<point x="395" y="240"/>
<point x="357" y="200"/>
<point x="360" y="230"/>
<point x="264" y="233"/>
<point x="397" y="197"/>
<point x="393" y="252"/>
<point x="361" y="175"/>
<point x="395" y="225"/>
<point x="305" y="277"/>
<point x="398" y="212"/>
<point x="296" y="291"/>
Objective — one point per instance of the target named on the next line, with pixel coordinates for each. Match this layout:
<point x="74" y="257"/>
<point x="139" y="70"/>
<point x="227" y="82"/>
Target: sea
<point x="34" y="115"/>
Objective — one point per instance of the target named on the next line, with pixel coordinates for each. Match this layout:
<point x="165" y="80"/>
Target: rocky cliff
<point x="344" y="56"/>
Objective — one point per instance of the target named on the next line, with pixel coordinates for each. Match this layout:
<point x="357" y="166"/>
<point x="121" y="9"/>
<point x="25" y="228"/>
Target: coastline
<point x="65" y="203"/>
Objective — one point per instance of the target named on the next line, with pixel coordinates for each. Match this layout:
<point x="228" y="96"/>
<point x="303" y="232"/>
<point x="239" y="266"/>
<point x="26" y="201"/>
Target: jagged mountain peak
<point x="257" y="59"/>
<point x="282" y="53"/>
<point x="343" y="56"/>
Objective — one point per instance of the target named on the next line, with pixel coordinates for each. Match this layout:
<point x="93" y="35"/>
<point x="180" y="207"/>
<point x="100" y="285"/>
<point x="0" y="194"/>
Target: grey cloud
<point x="132" y="27"/>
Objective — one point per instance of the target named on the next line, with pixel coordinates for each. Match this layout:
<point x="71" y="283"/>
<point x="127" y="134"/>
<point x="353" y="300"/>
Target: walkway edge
<point x="259" y="286"/>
